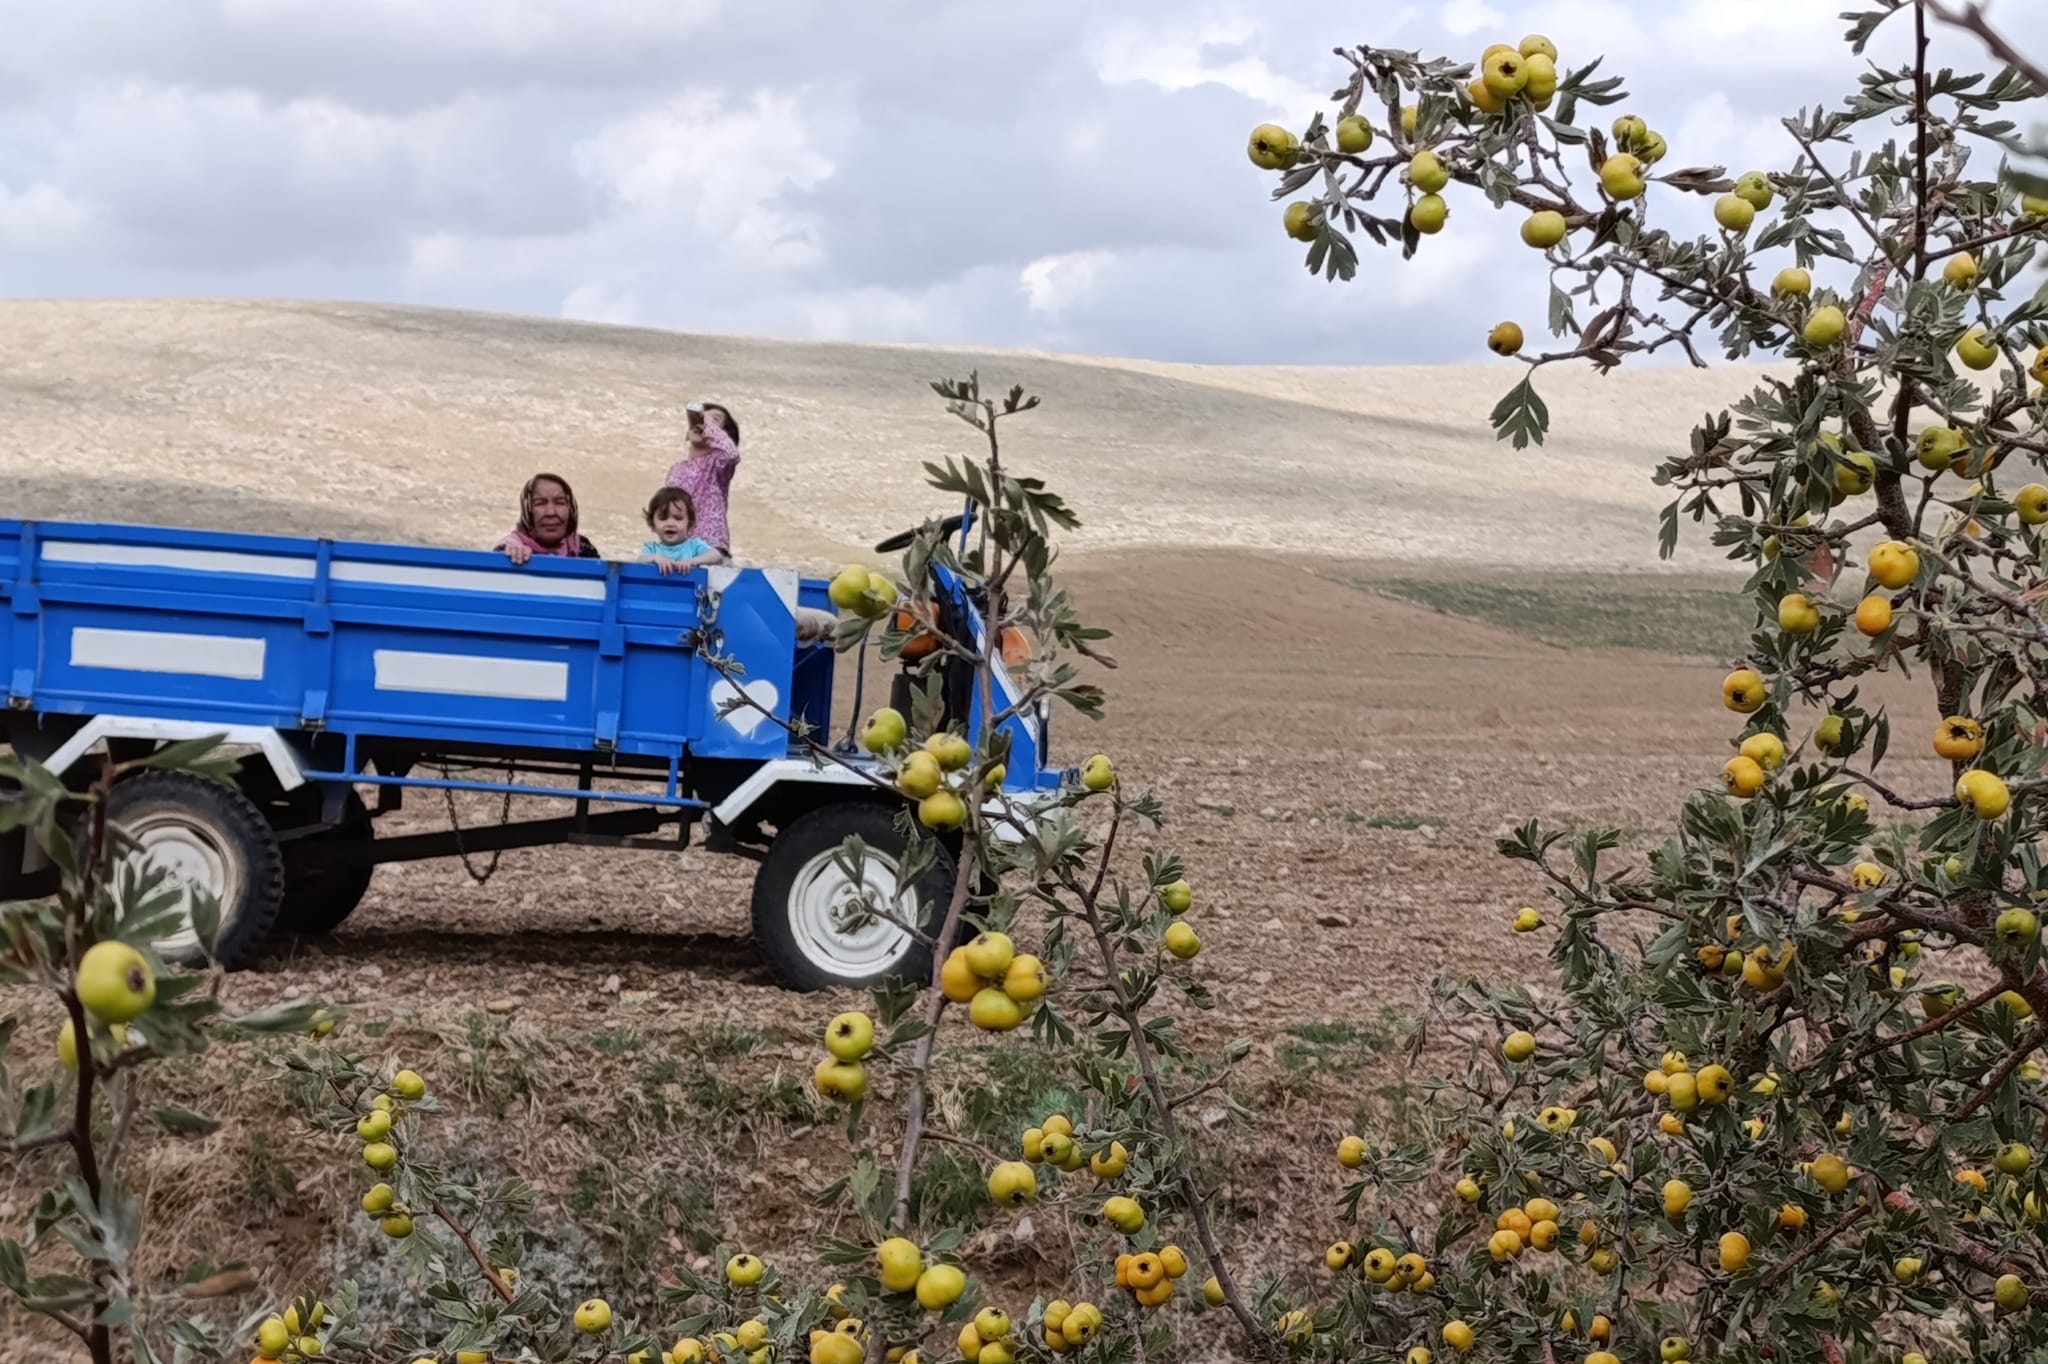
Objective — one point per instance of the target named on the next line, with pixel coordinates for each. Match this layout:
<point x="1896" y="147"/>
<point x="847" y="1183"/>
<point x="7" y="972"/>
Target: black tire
<point x="325" y="877"/>
<point x="213" y="828"/>
<point x="793" y="886"/>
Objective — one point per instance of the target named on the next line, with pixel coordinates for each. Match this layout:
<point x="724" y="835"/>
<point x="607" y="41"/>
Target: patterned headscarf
<point x="571" y="546"/>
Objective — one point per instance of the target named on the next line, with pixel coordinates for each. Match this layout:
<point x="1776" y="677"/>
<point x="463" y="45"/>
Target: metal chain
<point x="455" y="823"/>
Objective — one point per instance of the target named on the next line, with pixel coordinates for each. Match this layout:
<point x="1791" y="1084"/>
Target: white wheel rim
<point x="833" y="921"/>
<point x="194" y="859"/>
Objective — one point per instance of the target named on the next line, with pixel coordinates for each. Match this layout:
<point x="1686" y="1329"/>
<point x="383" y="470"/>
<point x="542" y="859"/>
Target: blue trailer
<point x="349" y="674"/>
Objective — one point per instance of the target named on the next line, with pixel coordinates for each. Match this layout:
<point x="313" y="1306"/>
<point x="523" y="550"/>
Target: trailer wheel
<point x="208" y="837"/>
<point x="809" y="915"/>
<point x="324" y="878"/>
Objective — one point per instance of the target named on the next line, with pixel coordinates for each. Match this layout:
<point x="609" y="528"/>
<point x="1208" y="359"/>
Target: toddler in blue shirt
<point x="672" y="516"/>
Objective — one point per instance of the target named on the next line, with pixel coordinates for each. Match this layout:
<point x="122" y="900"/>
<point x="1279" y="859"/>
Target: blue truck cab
<point x="348" y="674"/>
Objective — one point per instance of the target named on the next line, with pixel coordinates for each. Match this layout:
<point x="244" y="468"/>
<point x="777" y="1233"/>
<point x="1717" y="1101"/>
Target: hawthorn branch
<point x="462" y="1234"/>
<point x="2026" y="1047"/>
<point x="1935" y="1024"/>
<point x="1972" y="19"/>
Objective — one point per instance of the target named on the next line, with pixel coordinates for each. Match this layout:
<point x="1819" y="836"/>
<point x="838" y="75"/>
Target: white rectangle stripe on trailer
<point x="191" y="560"/>
<point x="509" y="581"/>
<point x="166" y="651"/>
<point x="507" y="679"/>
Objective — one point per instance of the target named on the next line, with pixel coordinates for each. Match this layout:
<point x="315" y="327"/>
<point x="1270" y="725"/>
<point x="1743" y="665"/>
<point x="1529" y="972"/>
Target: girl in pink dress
<point x="705" y="473"/>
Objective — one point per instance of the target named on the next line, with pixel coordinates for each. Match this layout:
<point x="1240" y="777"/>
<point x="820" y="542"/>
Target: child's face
<point x="672" y="524"/>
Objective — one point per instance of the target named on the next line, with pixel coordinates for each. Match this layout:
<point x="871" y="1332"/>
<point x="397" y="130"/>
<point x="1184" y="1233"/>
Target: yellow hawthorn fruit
<point x="2010" y="1292"/>
<point x="2031" y="502"/>
<point x="1674" y="1350"/>
<point x="1791" y="1217"/>
<point x="1855" y="474"/>
<point x="920" y="776"/>
<point x="1012" y="1184"/>
<point x="1677" y="1197"/>
<point x="992" y="1323"/>
<point x="593" y="1316"/>
<point x="1960" y="271"/>
<point x="1603" y="1357"/>
<point x="1792" y="282"/>
<point x="374" y="1125"/>
<point x="752" y="1333"/>
<point x="744" y="1270"/>
<point x="1428" y="214"/>
<point x="1983" y="794"/>
<point x="1338" y="1255"/>
<point x="2015" y="1003"/>
<point x="957" y="980"/>
<point x="1426" y="172"/>
<point x="1177" y="896"/>
<point x="1506" y="73"/>
<point x="1742" y="691"/>
<point x="1742" y="777"/>
<point x="994" y="1011"/>
<point x="1873" y="616"/>
<point x="1527" y="920"/>
<point x="884" y="730"/>
<point x="380" y="1155"/>
<point x="1174" y="1261"/>
<point x="1937" y="447"/>
<point x="1797" y="615"/>
<point x="396" y="1225"/>
<point x="1408" y="114"/>
<point x="1734" y="1251"/>
<point x="1125" y="1214"/>
<point x="1556" y="1119"/>
<point x="408" y="1085"/>
<point x="1411" y="1269"/>
<point x="1734" y="213"/>
<point x="1958" y="738"/>
<point x="2034" y="205"/>
<point x="272" y="1337"/>
<point x="1110" y="1162"/>
<point x="850" y="1036"/>
<point x="1866" y="876"/>
<point x="1656" y="1081"/>
<point x="1212" y="1291"/>
<point x="1977" y="350"/>
<point x="1824" y="327"/>
<point x="2016" y="927"/>
<point x="1674" y="1063"/>
<point x="1516" y="1221"/>
<point x="1059" y="1149"/>
<point x="1974" y="1179"/>
<point x="1906" y="1268"/>
<point x="114" y="982"/>
<point x="1503" y="1245"/>
<point x="1765" y="749"/>
<point x="1682" y="1090"/>
<point x="1484" y="99"/>
<point x="989" y="955"/>
<point x="900" y="1262"/>
<point x="1604" y="1149"/>
<point x="1535" y="44"/>
<point x="1271" y="147"/>
<point x="67" y="1042"/>
<point x="1379" y="1264"/>
<point x="1302" y="221"/>
<point x="1603" y="1262"/>
<point x="942" y="810"/>
<point x="1831" y="1172"/>
<point x="840" y="1081"/>
<point x="1098" y="774"/>
<point x="1504" y="339"/>
<point x="2013" y="1159"/>
<point x="829" y="1347"/>
<point x="1621" y="175"/>
<point x="1468" y="1189"/>
<point x="1754" y="189"/>
<point x="1543" y="1236"/>
<point x="1714" y="1084"/>
<point x="1354" y="135"/>
<point x="1894" y="565"/>
<point x="1544" y="229"/>
<point x="1458" y="1336"/>
<point x="1831" y="734"/>
<point x="1518" y="1046"/>
<point x="1181" y="940"/>
<point x="939" y="1286"/>
<point x="1351" y="1152"/>
<point x="1600" y="1329"/>
<point x="2038" y="370"/>
<point x="1026" y="980"/>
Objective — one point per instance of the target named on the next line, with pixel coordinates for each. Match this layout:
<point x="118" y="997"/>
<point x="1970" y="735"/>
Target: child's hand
<point x="668" y="566"/>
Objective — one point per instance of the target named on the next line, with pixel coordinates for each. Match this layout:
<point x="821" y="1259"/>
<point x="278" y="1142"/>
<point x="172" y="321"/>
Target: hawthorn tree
<point x="1783" y="1104"/>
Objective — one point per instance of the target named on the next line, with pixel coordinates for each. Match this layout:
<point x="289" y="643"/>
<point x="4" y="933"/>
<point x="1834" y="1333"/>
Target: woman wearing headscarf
<point x="547" y="523"/>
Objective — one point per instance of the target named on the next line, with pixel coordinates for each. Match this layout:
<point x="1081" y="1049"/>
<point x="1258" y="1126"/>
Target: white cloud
<point x="1052" y="283"/>
<point x="1186" y="56"/>
<point x="600" y="303"/>
<point x="1462" y="18"/>
<point x="40" y="217"/>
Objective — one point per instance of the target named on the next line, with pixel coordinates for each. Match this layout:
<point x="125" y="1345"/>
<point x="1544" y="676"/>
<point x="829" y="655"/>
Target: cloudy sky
<point x="1067" y="174"/>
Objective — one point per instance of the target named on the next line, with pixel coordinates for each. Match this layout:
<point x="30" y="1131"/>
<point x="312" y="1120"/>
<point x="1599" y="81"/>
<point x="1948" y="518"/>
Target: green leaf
<point x="183" y="1122"/>
<point x="1521" y="417"/>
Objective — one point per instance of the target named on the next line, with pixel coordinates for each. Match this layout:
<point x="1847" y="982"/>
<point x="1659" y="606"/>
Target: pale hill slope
<point x="420" y="424"/>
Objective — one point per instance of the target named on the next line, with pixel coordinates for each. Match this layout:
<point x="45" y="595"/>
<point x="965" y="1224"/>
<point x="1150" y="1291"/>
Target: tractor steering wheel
<point x="902" y="539"/>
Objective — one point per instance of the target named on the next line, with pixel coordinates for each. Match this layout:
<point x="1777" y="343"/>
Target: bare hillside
<point x="418" y="424"/>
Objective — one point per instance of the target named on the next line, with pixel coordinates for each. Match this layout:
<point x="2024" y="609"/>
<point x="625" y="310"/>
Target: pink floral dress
<point x="707" y="478"/>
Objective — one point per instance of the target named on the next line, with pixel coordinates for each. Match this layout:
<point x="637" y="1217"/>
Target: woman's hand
<point x="516" y="551"/>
